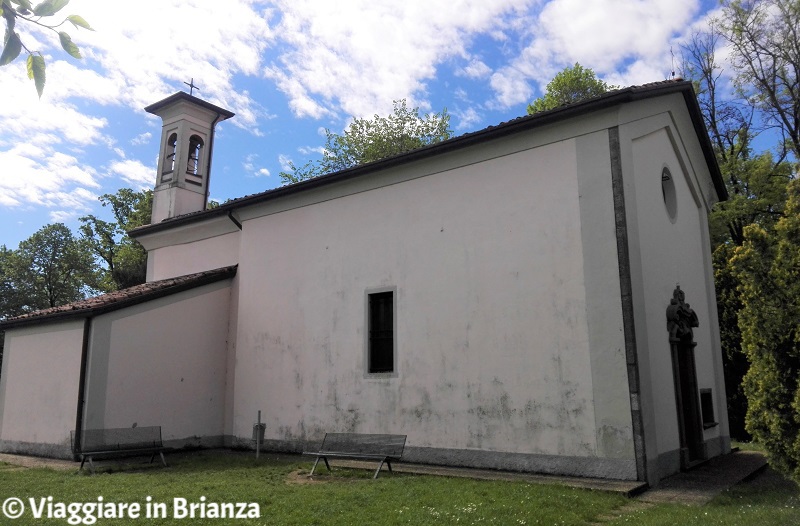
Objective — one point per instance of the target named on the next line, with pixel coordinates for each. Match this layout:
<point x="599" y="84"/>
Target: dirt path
<point x="21" y="462"/>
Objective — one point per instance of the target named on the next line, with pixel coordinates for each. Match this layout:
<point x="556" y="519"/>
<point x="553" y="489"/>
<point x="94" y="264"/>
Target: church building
<point x="534" y="296"/>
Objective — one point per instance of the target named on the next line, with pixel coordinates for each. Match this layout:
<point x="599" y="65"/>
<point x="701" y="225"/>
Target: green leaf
<point x="24" y="4"/>
<point x="78" y="21"/>
<point x="11" y="21"/>
<point x="68" y="45"/>
<point x="36" y="70"/>
<point x="58" y="5"/>
<point x="49" y="7"/>
<point x="11" y="50"/>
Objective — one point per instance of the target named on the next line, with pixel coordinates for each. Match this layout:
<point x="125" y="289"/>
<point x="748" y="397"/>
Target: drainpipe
<point x="210" y="154"/>
<point x="87" y="330"/>
<point x="235" y="221"/>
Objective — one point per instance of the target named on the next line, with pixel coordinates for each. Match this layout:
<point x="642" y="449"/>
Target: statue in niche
<point x="680" y="318"/>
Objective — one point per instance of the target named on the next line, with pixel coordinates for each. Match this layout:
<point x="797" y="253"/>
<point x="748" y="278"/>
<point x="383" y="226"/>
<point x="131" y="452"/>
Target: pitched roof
<point x="120" y="299"/>
<point x="183" y="96"/>
<point x="520" y="124"/>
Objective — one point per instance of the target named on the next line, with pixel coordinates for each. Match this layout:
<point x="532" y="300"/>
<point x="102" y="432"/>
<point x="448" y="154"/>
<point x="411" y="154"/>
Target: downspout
<point x="210" y="154"/>
<point x="87" y="330"/>
<point x="235" y="221"/>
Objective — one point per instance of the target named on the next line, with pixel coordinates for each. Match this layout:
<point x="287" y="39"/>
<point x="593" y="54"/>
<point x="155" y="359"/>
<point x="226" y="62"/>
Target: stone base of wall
<point x="196" y="442"/>
<point x="617" y="469"/>
<point x="669" y="462"/>
<point x="63" y="451"/>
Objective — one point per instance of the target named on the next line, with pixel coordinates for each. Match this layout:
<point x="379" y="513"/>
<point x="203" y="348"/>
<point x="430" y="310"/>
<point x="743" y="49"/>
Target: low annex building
<point x="534" y="296"/>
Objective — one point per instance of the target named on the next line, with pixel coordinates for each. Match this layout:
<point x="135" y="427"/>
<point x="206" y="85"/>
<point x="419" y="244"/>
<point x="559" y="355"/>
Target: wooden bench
<point x="119" y="442"/>
<point x="360" y="446"/>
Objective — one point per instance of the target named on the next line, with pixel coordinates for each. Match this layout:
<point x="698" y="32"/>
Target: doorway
<point x="681" y="320"/>
<point x="690" y="423"/>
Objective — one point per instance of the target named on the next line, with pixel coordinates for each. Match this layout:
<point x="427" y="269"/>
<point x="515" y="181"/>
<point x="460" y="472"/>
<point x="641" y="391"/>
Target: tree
<point x="765" y="50"/>
<point x="13" y="11"/>
<point x="572" y="84"/>
<point x="51" y="268"/>
<point x="125" y="258"/>
<point x="366" y="141"/>
<point x="756" y="187"/>
<point x="755" y="183"/>
<point x="768" y="264"/>
<point x="729" y="119"/>
<point x="9" y="296"/>
<point x="10" y="301"/>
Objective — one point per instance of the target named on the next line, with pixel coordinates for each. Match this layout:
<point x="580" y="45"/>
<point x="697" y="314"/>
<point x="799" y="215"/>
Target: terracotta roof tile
<point x="121" y="298"/>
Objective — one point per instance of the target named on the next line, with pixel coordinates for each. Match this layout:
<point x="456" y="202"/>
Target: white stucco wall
<point x="603" y="305"/>
<point x="187" y="258"/>
<point x="667" y="252"/>
<point x="493" y="347"/>
<point x="195" y="247"/>
<point x="162" y="363"/>
<point x="39" y="387"/>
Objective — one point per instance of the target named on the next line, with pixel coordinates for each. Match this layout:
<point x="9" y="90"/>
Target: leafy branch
<point x="14" y="10"/>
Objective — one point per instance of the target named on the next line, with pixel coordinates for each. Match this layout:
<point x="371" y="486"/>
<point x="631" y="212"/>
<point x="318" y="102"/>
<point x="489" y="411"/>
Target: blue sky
<point x="290" y="69"/>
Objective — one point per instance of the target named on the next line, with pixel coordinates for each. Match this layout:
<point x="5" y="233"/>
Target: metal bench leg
<point x="161" y="453"/>
<point x="326" y="463"/>
<point x="83" y="460"/>
<point x="379" y="469"/>
<point x="315" y="467"/>
<point x="152" y="457"/>
<point x="91" y="464"/>
<point x="389" y="465"/>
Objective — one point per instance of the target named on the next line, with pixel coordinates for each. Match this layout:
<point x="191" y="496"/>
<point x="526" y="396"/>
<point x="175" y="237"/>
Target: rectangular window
<point x="380" y="326"/>
<point x="707" y="407"/>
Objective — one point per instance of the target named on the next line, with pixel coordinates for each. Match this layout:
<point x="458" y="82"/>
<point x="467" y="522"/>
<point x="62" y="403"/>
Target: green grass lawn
<point x="284" y="495"/>
<point x="768" y="499"/>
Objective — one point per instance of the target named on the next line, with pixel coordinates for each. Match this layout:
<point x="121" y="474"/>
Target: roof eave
<point x="183" y="96"/>
<point x="92" y="311"/>
<point x="631" y="94"/>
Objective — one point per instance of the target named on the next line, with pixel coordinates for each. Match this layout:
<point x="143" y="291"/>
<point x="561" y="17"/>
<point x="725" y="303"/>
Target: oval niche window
<point x="668" y="192"/>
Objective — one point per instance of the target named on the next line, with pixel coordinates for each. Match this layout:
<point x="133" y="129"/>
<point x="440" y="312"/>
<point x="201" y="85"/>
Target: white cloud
<point x="35" y="174"/>
<point x="476" y="69"/>
<point x="134" y="173"/>
<point x="72" y="204"/>
<point x="601" y="36"/>
<point x="134" y="57"/>
<point x="28" y="116"/>
<point x="329" y="59"/>
<point x="252" y="169"/>
<point x="466" y="118"/>
<point x="311" y="150"/>
<point x="633" y="36"/>
<point x="154" y="48"/>
<point x="286" y="163"/>
<point x="511" y="87"/>
<point x="356" y="57"/>
<point x="142" y="138"/>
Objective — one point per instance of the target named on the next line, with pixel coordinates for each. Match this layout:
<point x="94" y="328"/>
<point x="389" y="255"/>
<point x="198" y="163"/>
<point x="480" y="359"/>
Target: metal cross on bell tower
<point x="192" y="87"/>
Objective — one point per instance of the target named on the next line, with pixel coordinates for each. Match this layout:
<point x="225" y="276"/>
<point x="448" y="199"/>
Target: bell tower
<point x="184" y="159"/>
